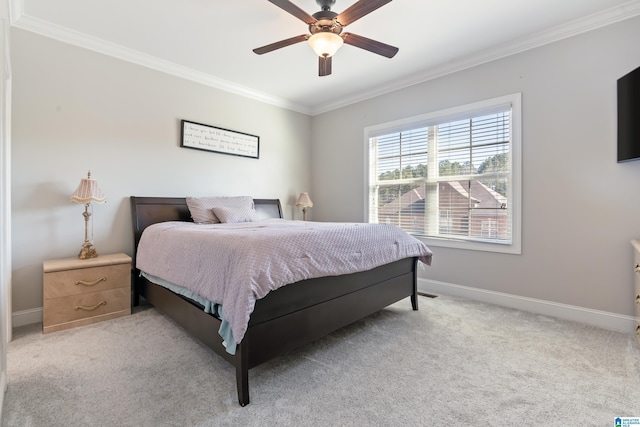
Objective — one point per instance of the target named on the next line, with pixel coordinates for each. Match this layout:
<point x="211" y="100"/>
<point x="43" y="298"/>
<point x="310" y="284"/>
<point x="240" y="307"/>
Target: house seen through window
<point x="450" y="176"/>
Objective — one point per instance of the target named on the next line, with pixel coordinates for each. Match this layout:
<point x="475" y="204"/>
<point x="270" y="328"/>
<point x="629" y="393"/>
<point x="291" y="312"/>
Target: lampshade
<point x="325" y="43"/>
<point x="304" y="201"/>
<point x="88" y="191"/>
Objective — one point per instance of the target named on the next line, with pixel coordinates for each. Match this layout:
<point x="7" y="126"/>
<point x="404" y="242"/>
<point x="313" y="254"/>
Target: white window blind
<point x="447" y="178"/>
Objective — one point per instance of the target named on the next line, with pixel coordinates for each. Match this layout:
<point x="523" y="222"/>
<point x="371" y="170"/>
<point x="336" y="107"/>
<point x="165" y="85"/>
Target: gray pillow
<point x="230" y="215"/>
<point x="201" y="208"/>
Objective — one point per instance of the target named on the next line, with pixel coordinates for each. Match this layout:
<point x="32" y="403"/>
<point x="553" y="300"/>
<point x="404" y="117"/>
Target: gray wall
<point x="580" y="207"/>
<point x="75" y="110"/>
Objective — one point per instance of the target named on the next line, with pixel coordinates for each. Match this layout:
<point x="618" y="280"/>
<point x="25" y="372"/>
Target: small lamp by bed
<point x="87" y="192"/>
<point x="304" y="201"/>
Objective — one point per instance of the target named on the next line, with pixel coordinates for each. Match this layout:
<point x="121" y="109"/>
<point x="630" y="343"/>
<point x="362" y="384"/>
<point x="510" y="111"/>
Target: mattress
<point x="233" y="265"/>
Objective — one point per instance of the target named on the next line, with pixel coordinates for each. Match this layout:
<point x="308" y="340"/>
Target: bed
<point x="283" y="320"/>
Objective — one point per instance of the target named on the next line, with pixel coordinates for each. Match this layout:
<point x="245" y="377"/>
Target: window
<point x="452" y="177"/>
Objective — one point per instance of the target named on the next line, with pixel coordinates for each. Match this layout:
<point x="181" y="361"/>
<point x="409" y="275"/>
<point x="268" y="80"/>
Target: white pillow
<point x="230" y="215"/>
<point x="201" y="208"/>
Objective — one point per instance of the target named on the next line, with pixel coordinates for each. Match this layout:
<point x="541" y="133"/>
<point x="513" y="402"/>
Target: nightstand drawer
<point x="73" y="282"/>
<point x="78" y="292"/>
<point x="83" y="309"/>
<point x="636" y="277"/>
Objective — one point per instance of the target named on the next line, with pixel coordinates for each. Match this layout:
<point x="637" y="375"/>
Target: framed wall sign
<point x="219" y="140"/>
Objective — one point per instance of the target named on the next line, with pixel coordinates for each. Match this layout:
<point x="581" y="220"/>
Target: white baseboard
<point x="26" y="317"/>
<point x="601" y="319"/>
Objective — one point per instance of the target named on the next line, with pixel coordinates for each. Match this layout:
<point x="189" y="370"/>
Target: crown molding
<point x="597" y="20"/>
<point x="601" y="19"/>
<point x="83" y="40"/>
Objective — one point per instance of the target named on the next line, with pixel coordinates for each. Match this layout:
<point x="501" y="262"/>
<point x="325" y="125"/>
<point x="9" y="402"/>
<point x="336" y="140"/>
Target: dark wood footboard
<point x="287" y="320"/>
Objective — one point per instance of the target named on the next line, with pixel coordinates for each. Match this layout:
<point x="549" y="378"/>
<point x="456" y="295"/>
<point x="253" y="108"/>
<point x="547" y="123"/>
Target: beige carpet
<point x="453" y="363"/>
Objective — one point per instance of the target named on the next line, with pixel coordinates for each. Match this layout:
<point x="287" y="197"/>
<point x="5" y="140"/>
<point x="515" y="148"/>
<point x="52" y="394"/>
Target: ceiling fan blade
<point x="282" y="43"/>
<point x="370" y="45"/>
<point x="358" y="10"/>
<point x="324" y="65"/>
<point x="287" y="6"/>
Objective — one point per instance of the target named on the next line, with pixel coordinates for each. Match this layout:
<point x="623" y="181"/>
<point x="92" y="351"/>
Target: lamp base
<point x="87" y="251"/>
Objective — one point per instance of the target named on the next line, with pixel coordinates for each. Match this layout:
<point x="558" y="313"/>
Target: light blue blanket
<point x="209" y="307"/>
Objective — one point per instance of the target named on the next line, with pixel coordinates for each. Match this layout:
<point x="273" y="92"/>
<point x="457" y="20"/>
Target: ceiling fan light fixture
<point x="325" y="43"/>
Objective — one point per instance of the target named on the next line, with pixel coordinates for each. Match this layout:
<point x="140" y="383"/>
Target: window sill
<point x="512" y="248"/>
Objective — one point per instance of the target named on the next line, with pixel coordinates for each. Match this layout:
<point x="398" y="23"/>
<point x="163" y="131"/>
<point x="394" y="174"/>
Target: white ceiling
<point x="211" y="41"/>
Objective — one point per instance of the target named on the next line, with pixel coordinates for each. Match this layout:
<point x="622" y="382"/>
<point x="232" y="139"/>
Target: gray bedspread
<point x="236" y="264"/>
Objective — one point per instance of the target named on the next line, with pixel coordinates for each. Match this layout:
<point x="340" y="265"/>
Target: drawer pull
<point x="637" y="268"/>
<point x="638" y="299"/>
<point x="95" y="282"/>
<point x="93" y="307"/>
<point x="638" y="329"/>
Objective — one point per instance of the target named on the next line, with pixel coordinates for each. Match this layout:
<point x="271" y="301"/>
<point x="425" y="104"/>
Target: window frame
<point x="457" y="113"/>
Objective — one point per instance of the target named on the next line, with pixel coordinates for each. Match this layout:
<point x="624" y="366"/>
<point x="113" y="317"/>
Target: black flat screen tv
<point x="629" y="116"/>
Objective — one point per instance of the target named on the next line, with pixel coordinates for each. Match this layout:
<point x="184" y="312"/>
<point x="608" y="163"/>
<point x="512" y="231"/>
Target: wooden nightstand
<point x="82" y="291"/>
<point x="636" y="293"/>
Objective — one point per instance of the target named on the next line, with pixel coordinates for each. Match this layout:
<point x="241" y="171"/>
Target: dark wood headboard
<point x="146" y="211"/>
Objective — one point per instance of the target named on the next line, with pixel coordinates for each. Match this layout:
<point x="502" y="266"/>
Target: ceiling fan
<point x="325" y="29"/>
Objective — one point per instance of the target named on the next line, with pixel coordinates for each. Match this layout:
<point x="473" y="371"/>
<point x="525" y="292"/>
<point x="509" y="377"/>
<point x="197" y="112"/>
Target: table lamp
<point x="87" y="192"/>
<point x="305" y="202"/>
